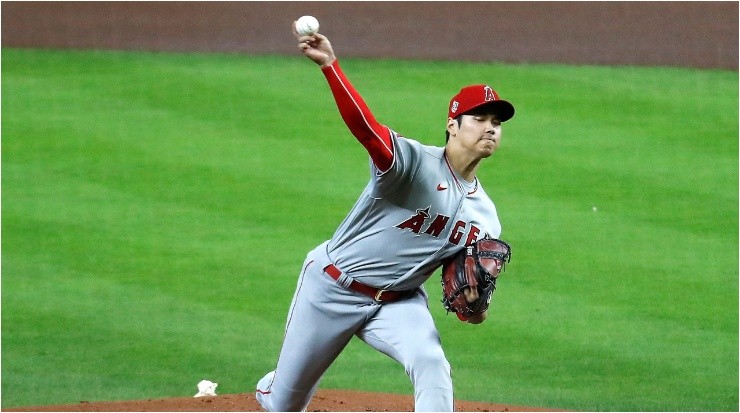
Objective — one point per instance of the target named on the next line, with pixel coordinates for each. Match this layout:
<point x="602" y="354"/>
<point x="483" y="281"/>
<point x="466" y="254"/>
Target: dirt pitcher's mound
<point x="324" y="401"/>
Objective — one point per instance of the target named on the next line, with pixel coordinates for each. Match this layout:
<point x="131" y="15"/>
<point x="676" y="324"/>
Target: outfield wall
<point x="691" y="34"/>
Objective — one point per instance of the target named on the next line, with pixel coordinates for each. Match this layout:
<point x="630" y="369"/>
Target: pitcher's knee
<point x="430" y="364"/>
<point x="432" y="382"/>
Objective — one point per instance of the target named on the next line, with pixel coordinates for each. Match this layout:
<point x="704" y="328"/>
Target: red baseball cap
<point x="474" y="96"/>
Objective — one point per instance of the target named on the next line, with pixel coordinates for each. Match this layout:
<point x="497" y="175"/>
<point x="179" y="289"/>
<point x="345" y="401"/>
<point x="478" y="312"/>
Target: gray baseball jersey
<point x="409" y="218"/>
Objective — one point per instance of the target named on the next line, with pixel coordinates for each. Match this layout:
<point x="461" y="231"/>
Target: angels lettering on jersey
<point x="423" y="224"/>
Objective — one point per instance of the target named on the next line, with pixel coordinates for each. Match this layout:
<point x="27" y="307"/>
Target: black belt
<point x="383" y="296"/>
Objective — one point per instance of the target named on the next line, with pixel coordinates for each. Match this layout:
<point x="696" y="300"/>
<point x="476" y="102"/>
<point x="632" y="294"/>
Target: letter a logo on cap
<point x="489" y="94"/>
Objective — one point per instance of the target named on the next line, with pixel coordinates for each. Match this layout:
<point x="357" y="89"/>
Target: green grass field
<point x="156" y="209"/>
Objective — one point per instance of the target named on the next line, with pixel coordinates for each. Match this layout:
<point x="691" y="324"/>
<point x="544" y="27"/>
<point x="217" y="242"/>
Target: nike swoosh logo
<point x="441" y="187"/>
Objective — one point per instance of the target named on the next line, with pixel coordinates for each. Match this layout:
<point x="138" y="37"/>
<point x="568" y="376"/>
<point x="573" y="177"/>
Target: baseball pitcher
<point x="422" y="208"/>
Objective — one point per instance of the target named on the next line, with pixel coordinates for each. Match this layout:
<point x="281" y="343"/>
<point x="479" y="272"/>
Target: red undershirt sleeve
<point x="375" y="137"/>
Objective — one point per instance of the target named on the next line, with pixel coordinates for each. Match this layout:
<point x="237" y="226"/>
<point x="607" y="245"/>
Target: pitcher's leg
<point x="405" y="331"/>
<point x="319" y="326"/>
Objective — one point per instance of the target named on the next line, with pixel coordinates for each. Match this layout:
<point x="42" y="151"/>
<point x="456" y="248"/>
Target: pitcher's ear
<point x="452" y="125"/>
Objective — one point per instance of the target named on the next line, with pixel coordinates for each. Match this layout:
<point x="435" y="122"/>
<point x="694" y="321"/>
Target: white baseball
<point x="307" y="25"/>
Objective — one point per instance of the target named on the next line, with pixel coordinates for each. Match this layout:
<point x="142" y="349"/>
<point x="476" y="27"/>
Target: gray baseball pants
<point x="323" y="317"/>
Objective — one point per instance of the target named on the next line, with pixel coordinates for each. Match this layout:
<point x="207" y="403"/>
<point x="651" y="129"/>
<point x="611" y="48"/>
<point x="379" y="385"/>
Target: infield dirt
<point x="686" y="34"/>
<point x="324" y="401"/>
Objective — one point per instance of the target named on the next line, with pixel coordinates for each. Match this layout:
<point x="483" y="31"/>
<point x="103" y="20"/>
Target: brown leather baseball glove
<point x="477" y="267"/>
